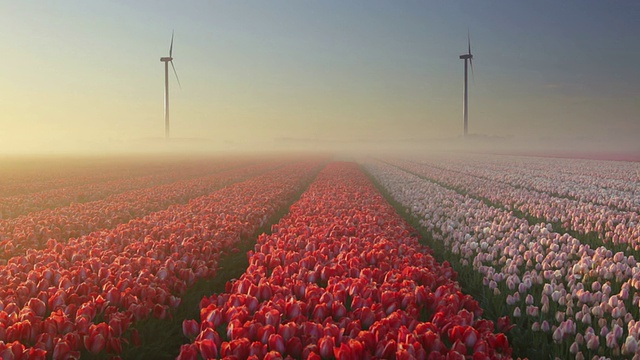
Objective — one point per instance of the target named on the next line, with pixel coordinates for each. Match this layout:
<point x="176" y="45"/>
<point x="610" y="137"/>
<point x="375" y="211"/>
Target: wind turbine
<point x="468" y="60"/>
<point x="166" y="61"/>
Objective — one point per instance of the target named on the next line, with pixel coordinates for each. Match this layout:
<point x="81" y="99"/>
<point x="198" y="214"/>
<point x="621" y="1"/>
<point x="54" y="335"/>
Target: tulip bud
<point x="187" y="352"/>
<point x="535" y="326"/>
<point x="611" y="341"/>
<point x="94" y="343"/>
<point x="529" y="299"/>
<point x="516" y="312"/>
<point x="276" y="343"/>
<point x="545" y="326"/>
<point x="630" y="345"/>
<point x="325" y="347"/>
<point x="294" y="347"/>
<point x="593" y="343"/>
<point x="558" y="335"/>
<point x="470" y="337"/>
<point x="190" y="328"/>
<point x="574" y="348"/>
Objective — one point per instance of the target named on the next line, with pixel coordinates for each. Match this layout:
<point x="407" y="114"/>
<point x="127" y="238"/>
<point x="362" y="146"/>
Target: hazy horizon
<point x="85" y="77"/>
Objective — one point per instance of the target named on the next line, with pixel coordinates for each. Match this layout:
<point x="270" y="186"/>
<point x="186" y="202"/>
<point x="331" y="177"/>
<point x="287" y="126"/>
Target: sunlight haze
<point x="86" y="76"/>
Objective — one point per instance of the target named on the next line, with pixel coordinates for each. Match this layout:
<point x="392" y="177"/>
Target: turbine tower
<point x="166" y="61"/>
<point x="468" y="60"/>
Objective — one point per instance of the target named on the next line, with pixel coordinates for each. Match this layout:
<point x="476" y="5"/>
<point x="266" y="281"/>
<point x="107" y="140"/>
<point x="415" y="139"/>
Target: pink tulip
<point x="630" y="345"/>
<point x="593" y="342"/>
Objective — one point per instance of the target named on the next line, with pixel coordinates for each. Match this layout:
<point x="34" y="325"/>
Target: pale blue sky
<point x="84" y="73"/>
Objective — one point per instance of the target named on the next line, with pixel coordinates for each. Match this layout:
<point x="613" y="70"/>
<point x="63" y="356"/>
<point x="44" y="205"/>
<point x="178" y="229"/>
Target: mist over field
<point x="367" y="76"/>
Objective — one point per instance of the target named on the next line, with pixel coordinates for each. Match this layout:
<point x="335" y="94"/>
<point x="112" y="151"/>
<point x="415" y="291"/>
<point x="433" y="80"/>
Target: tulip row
<point x="24" y="204"/>
<point x="36" y="230"/>
<point x="29" y="175"/>
<point x="84" y="296"/>
<point x="618" y="229"/>
<point x="584" y="300"/>
<point x="342" y="277"/>
<point x="610" y="183"/>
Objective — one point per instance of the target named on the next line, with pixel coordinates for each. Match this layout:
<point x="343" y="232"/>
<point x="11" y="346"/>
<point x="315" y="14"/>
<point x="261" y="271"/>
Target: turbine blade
<point x="469" y="41"/>
<point x="174" y="71"/>
<point x="171" y="46"/>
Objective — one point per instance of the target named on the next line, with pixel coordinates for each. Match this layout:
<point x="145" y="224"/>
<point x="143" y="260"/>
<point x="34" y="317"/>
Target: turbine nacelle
<point x="165" y="59"/>
<point x="466" y="56"/>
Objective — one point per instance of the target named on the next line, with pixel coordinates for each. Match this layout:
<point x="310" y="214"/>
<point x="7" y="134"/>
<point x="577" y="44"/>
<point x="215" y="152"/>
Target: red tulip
<point x="257" y="349"/>
<point x="238" y="347"/>
<point x="311" y="352"/>
<point x="38" y="306"/>
<point x="292" y="310"/>
<point x="115" y="345"/>
<point x="312" y="330"/>
<point x="320" y="312"/>
<point x="276" y="343"/>
<point x="62" y="350"/>
<point x="45" y="341"/>
<point x="95" y="342"/>
<point x="338" y="310"/>
<point x="288" y="330"/>
<point x="252" y="303"/>
<point x="386" y="350"/>
<point x="113" y="296"/>
<point x="36" y="354"/>
<point x="135" y="337"/>
<point x="211" y="334"/>
<point x="325" y="347"/>
<point x="504" y="324"/>
<point x="454" y="355"/>
<point x="265" y="333"/>
<point x="459" y="347"/>
<point x="190" y="328"/>
<point x="272" y="317"/>
<point x="264" y="292"/>
<point x="367" y="317"/>
<point x="294" y="347"/>
<point x="343" y="352"/>
<point x="470" y="337"/>
<point x="188" y="352"/>
<point x="368" y="339"/>
<point x="174" y="301"/>
<point x="160" y="311"/>
<point x="500" y="343"/>
<point x="213" y="315"/>
<point x="207" y="349"/>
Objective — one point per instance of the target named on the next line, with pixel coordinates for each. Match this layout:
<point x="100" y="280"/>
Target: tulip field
<point x="545" y="241"/>
<point x="456" y="256"/>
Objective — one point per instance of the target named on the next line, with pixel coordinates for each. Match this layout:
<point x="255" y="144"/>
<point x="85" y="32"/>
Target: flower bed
<point x="611" y="183"/>
<point x="577" y="300"/>
<point x="84" y="296"/>
<point x="617" y="228"/>
<point x="36" y="230"/>
<point x="342" y="277"/>
<point x="68" y="191"/>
